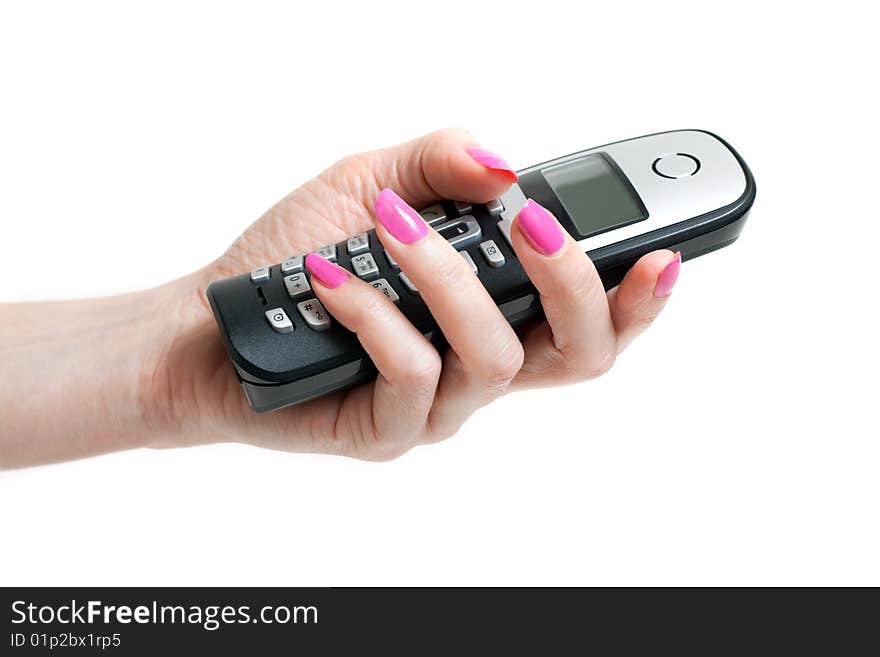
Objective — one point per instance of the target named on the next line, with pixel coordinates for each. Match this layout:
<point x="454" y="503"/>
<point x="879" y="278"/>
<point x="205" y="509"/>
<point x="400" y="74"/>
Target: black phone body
<point x="684" y="190"/>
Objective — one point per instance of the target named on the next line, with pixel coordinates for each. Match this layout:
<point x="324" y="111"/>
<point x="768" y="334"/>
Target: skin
<point x="149" y="369"/>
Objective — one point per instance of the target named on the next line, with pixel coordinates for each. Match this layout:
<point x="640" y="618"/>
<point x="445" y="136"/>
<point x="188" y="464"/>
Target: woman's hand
<point x="166" y="380"/>
<point x="418" y="397"/>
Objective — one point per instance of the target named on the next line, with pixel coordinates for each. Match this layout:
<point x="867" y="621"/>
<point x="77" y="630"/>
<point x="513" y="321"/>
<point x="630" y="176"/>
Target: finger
<point x="578" y="340"/>
<point x="447" y="164"/>
<point x="409" y="366"/>
<point x="485" y="351"/>
<point x="642" y="294"/>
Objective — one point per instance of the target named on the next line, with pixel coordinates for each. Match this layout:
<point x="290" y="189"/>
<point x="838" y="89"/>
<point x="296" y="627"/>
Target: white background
<point x="736" y="443"/>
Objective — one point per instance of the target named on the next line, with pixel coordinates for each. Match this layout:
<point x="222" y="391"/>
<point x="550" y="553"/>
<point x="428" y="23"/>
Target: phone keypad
<point x="459" y="228"/>
<point x="313" y="312"/>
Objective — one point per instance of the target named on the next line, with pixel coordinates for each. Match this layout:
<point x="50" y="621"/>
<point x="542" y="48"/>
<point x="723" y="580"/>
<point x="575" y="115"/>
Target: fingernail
<point x="399" y="218"/>
<point x="666" y="279"/>
<point x="492" y="161"/>
<point x="540" y="228"/>
<point x="330" y="274"/>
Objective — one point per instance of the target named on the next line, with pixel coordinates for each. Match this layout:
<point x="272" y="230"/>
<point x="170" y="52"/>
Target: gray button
<point x="279" y="320"/>
<point x="313" y="312"/>
<point x="676" y="165"/>
<point x="391" y="261"/>
<point x="469" y="260"/>
<point x="365" y="265"/>
<point x="292" y="264"/>
<point x="491" y="253"/>
<point x="384" y="286"/>
<point x="495" y="206"/>
<point x="461" y="232"/>
<point x="358" y="244"/>
<point x="433" y="214"/>
<point x="260" y="274"/>
<point x="408" y="283"/>
<point x="297" y="285"/>
<point x="327" y="252"/>
<point x="462" y="207"/>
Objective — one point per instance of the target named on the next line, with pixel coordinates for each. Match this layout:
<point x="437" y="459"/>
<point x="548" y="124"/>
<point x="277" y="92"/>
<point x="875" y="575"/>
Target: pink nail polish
<point x="399" y="218"/>
<point x="492" y="161"/>
<point x="540" y="228"/>
<point x="326" y="272"/>
<point x="666" y="279"/>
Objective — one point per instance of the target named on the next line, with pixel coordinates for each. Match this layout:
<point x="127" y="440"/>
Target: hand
<point x="417" y="397"/>
<point x="149" y="368"/>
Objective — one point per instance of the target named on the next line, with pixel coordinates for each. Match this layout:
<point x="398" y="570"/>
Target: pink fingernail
<point x="399" y="218"/>
<point x="492" y="161"/>
<point x="666" y="279"/>
<point x="540" y="228"/>
<point x="330" y="274"/>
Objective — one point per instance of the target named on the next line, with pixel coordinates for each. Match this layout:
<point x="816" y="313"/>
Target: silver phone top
<point x="678" y="175"/>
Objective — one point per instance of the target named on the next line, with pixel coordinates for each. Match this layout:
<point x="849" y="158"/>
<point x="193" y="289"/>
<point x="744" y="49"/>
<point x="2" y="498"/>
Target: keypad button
<point x="391" y="261"/>
<point x="385" y="286"/>
<point x="495" y="206"/>
<point x="462" y="207"/>
<point x="469" y="260"/>
<point x="358" y="244"/>
<point x="260" y="275"/>
<point x="292" y="264"/>
<point x="297" y="285"/>
<point x="433" y="214"/>
<point x="408" y="283"/>
<point x="365" y="265"/>
<point x="279" y="320"/>
<point x="313" y="312"/>
<point x="327" y="252"/>
<point x="461" y="232"/>
<point x="491" y="253"/>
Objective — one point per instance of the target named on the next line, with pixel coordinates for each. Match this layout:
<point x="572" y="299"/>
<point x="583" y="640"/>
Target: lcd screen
<point x="595" y="194"/>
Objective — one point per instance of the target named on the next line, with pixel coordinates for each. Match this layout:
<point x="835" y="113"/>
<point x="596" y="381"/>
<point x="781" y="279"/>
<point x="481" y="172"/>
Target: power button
<point x="676" y="165"/>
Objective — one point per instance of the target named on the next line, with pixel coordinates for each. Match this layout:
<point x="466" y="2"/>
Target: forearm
<point x="80" y="377"/>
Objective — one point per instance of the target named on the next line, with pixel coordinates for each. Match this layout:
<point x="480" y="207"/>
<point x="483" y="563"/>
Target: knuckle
<point x="500" y="370"/>
<point x="423" y="372"/>
<point x="597" y="365"/>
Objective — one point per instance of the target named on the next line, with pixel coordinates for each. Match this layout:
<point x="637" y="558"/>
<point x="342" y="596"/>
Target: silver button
<point x="365" y="265"/>
<point x="358" y="244"/>
<point x="462" y="207"/>
<point x="391" y="261"/>
<point x="327" y="252"/>
<point x="260" y="274"/>
<point x="461" y="232"/>
<point x="491" y="253"/>
<point x="469" y="260"/>
<point x="384" y="286"/>
<point x="676" y="165"/>
<point x="292" y="264"/>
<point x="297" y="285"/>
<point x="433" y="214"/>
<point x="279" y="320"/>
<point x="408" y="283"/>
<point x="313" y="312"/>
<point x="495" y="206"/>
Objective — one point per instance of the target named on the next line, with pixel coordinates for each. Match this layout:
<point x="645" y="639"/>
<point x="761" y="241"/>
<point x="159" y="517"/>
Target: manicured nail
<point x="492" y="161"/>
<point x="330" y="274"/>
<point x="399" y="218"/>
<point x="540" y="228"/>
<point x="666" y="279"/>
